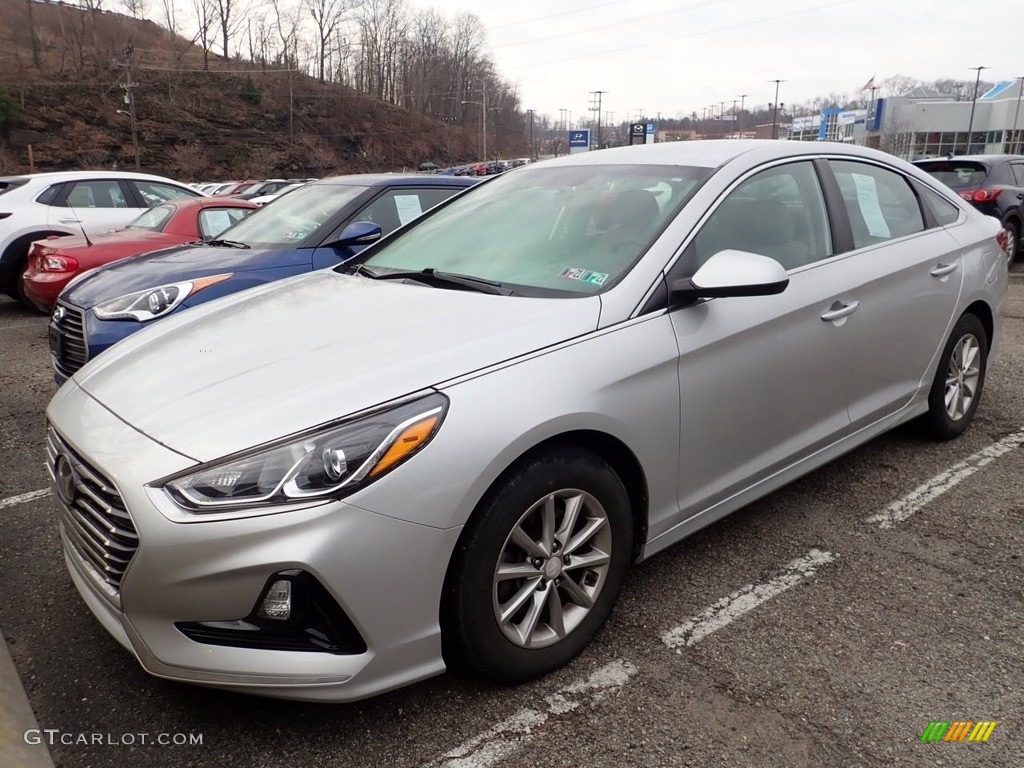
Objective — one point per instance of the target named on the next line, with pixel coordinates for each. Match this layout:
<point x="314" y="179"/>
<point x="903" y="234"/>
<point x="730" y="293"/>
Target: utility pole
<point x="1016" y="114"/>
<point x="483" y="106"/>
<point x="775" y="109"/>
<point x="129" y="99"/>
<point x="974" y="99"/>
<point x="743" y="98"/>
<point x="595" y="106"/>
<point x="531" y="152"/>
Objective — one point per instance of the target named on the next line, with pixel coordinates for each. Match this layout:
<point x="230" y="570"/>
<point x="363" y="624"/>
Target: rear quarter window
<point x="6" y="185"/>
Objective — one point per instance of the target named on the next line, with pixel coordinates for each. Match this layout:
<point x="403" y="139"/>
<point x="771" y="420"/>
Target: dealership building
<point x="924" y="123"/>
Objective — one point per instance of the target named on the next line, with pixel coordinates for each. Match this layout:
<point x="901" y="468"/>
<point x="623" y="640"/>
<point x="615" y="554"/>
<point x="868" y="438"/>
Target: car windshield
<point x="541" y="231"/>
<point x="154" y="219"/>
<point x="956" y="173"/>
<point x="295" y="216"/>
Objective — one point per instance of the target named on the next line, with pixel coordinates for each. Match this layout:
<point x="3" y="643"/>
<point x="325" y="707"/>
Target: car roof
<point x="713" y="153"/>
<point x="72" y="175"/>
<point x="394" y="180"/>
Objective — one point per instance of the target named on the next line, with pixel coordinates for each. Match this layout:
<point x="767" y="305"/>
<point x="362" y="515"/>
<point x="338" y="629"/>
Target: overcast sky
<point x="678" y="56"/>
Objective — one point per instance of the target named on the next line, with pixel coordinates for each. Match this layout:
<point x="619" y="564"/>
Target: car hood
<point x="259" y="365"/>
<point x="171" y="265"/>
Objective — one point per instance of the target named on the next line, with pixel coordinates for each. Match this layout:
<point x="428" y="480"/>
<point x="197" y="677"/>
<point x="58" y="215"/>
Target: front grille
<point x="95" y="521"/>
<point x="67" y="341"/>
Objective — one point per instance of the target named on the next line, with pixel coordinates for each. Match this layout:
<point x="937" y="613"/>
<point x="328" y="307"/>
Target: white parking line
<point x="11" y="501"/>
<point x="742" y="601"/>
<point x="906" y="506"/>
<point x="497" y="743"/>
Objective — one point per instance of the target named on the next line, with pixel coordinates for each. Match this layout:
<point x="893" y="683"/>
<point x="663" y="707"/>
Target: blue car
<point x="315" y="226"/>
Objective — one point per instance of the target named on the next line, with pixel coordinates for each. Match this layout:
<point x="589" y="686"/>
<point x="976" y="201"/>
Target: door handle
<point x="838" y="311"/>
<point x="942" y="270"/>
<point x="69" y="221"/>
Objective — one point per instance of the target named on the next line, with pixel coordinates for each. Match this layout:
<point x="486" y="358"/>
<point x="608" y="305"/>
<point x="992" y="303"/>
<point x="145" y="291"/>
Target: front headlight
<point x="153" y="302"/>
<point x="332" y="461"/>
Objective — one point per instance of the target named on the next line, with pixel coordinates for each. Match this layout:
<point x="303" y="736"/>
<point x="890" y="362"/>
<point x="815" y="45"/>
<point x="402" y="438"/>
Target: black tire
<point x="961" y="384"/>
<point x="475" y="638"/>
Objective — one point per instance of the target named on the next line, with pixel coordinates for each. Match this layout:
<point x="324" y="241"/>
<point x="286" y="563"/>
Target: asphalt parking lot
<point x="826" y="625"/>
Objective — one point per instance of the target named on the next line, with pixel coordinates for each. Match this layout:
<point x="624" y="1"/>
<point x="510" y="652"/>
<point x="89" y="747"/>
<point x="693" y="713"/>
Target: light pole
<point x="743" y="98"/>
<point x="775" y="109"/>
<point x="1016" y="114"/>
<point x="483" y="123"/>
<point x="974" y="99"/>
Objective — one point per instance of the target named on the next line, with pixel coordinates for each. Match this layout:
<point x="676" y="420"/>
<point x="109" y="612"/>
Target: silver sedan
<point x="450" y="450"/>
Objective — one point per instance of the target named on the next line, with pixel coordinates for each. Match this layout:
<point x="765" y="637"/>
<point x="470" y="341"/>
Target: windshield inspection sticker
<point x="578" y="273"/>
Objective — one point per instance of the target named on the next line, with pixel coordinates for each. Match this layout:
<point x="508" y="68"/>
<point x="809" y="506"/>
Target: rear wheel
<point x="538" y="568"/>
<point x="958" y="381"/>
<point x="1012" y="238"/>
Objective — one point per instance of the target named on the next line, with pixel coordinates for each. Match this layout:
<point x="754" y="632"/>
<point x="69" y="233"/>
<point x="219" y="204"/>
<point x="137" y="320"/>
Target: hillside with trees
<point x="223" y="88"/>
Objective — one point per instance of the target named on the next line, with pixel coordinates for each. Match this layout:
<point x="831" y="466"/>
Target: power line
<point x="616" y="23"/>
<point x="563" y="13"/>
<point x="648" y="43"/>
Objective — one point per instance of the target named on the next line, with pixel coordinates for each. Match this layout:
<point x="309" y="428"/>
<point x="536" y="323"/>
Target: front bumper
<point x="384" y="573"/>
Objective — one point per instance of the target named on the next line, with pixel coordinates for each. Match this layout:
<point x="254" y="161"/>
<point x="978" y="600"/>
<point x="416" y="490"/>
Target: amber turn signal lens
<point x="412" y="437"/>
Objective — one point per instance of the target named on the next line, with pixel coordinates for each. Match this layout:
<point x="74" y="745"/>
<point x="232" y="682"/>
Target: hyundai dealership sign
<point x="579" y="140"/>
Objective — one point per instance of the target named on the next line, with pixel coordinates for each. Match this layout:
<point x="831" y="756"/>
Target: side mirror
<point x="358" y="233"/>
<point x="731" y="273"/>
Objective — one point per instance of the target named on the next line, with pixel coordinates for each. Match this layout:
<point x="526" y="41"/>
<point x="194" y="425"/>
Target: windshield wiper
<point x="227" y="243"/>
<point x="437" y="278"/>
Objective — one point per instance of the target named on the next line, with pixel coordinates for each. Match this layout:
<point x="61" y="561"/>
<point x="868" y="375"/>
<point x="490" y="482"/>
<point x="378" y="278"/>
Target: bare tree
<point x="229" y="15"/>
<point x="206" y="16"/>
<point x="327" y="17"/>
<point x="136" y="8"/>
<point x="382" y="29"/>
<point x="897" y="85"/>
<point x="897" y="135"/>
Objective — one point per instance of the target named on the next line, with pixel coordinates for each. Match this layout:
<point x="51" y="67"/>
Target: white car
<point x="34" y="206"/>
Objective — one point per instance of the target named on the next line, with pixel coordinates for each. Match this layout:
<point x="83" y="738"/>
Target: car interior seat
<point x="767" y="227"/>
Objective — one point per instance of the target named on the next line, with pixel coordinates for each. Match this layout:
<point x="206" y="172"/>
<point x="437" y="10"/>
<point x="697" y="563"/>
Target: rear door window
<point x="881" y="204"/>
<point x="98" y="193"/>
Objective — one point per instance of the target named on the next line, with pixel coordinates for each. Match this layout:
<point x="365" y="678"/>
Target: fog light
<point x="277" y="603"/>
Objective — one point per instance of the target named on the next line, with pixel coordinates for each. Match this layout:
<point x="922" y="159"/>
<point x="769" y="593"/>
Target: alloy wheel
<point x="552" y="567"/>
<point x="962" y="377"/>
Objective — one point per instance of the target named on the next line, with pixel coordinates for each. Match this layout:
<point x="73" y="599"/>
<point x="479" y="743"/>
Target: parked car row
<point x="450" y="448"/>
<point x="318" y="225"/>
<point x="247" y="189"/>
<point x="485" y="168"/>
<point x="88" y="203"/>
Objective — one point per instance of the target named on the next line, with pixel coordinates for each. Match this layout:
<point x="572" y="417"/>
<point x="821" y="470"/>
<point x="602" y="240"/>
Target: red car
<point x="54" y="261"/>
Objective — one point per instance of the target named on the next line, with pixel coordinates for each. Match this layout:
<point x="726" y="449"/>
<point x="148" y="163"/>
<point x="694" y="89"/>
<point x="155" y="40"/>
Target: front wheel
<point x="538" y="568"/>
<point x="959" y="380"/>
